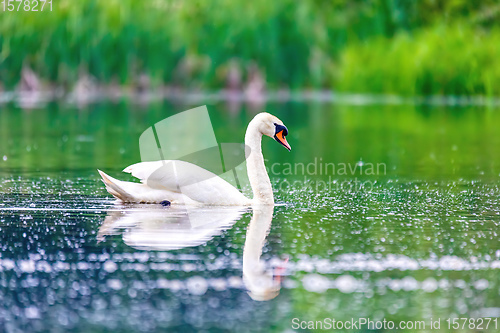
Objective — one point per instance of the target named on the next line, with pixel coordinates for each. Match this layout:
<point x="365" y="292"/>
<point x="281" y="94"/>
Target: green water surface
<point x="386" y="212"/>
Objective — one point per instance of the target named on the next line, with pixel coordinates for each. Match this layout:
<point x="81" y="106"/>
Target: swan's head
<point x="273" y="127"/>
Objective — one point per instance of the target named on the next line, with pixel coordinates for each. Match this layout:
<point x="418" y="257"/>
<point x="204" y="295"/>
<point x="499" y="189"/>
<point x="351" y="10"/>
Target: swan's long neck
<point x="256" y="169"/>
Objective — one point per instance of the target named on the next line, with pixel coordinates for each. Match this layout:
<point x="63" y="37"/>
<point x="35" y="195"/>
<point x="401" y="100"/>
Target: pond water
<point x="385" y="212"/>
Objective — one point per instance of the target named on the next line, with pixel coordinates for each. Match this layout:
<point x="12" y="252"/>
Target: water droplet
<point x="32" y="312"/>
<point x="109" y="266"/>
<point x="197" y="285"/>
<point x="115" y="284"/>
<point x="481" y="284"/>
<point x="346" y="283"/>
<point x="429" y="285"/>
<point x="316" y="283"/>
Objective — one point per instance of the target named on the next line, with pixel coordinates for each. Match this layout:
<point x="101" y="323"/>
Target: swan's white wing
<point x="144" y="170"/>
<point x="189" y="179"/>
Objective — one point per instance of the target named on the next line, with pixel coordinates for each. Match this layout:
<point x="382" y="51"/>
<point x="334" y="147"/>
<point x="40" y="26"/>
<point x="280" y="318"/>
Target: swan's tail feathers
<point x="116" y="188"/>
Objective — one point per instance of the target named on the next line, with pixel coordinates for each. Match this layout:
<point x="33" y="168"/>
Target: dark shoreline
<point x="40" y="98"/>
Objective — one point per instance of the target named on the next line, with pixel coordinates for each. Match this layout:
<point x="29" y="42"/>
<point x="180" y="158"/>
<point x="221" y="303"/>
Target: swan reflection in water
<point x="157" y="228"/>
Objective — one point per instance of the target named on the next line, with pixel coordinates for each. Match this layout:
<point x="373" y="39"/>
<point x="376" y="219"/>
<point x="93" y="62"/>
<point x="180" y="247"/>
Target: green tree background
<point x="444" y="47"/>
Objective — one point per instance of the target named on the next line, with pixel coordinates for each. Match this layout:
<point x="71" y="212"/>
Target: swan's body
<point x="180" y="182"/>
<point x="188" y="184"/>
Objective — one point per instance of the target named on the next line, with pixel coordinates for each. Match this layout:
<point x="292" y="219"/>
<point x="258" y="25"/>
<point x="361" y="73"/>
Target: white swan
<point x="180" y="182"/>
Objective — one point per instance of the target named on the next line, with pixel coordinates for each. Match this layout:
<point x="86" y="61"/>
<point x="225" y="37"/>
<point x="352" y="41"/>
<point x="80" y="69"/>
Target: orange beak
<point x="281" y="139"/>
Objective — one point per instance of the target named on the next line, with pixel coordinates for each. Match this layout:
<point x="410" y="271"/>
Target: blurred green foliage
<point x="443" y="60"/>
<point x="376" y="46"/>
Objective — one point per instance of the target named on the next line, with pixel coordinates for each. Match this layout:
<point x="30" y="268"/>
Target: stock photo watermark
<point x="311" y="175"/>
<point x="384" y="324"/>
